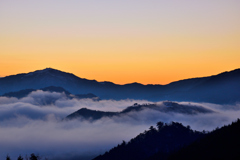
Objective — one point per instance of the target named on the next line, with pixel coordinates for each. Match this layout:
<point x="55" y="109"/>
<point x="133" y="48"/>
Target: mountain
<point x="221" y="144"/>
<point x="24" y="93"/>
<point x="166" y="139"/>
<point x="221" y="88"/>
<point x="90" y="114"/>
<point x="174" y="141"/>
<point x="165" y="107"/>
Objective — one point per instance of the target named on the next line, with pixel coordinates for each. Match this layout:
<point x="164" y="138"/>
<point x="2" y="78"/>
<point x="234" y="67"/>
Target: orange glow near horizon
<point x="150" y="43"/>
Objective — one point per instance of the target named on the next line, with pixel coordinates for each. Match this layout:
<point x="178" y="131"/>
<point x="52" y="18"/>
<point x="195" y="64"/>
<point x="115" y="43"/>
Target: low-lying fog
<point x="28" y="125"/>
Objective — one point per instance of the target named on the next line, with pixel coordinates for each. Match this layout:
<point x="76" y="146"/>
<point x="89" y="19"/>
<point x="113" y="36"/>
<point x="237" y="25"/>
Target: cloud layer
<point x="34" y="124"/>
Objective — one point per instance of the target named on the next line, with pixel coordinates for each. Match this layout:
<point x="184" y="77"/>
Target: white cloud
<point x="28" y="125"/>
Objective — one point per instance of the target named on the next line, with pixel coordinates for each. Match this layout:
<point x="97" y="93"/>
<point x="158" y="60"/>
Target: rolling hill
<point x="166" y="107"/>
<point x="26" y="92"/>
<point x="223" y="88"/>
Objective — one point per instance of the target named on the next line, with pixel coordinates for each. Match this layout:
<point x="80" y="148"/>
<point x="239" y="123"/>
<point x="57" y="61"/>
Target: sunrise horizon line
<point x="134" y="82"/>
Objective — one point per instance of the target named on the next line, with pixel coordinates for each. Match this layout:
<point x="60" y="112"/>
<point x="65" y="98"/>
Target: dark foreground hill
<point x="222" y="144"/>
<point x="174" y="141"/>
<point x="221" y="88"/>
<point x="166" y="139"/>
<point x="166" y="107"/>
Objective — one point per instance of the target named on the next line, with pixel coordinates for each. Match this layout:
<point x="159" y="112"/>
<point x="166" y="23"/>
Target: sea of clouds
<point x="34" y="124"/>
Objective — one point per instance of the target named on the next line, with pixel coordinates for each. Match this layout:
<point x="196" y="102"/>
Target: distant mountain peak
<point x="23" y="93"/>
<point x="206" y="89"/>
<point x="50" y="72"/>
<point x="46" y="70"/>
<point x="49" y="69"/>
<point x="171" y="107"/>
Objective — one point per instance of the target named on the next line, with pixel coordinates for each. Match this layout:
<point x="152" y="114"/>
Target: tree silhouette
<point x="8" y="157"/>
<point x="20" y="157"/>
<point x="167" y="139"/>
<point x="222" y="143"/>
<point x="159" y="125"/>
<point x="34" y="157"/>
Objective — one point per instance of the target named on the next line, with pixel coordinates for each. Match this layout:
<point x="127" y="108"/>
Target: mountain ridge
<point x="26" y="92"/>
<point x="221" y="143"/>
<point x="201" y="89"/>
<point x="166" y="139"/>
<point x="164" y="107"/>
<point x="49" y="69"/>
<point x="174" y="141"/>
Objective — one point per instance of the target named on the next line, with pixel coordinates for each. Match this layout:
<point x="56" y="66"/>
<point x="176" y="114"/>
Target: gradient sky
<point x="150" y="42"/>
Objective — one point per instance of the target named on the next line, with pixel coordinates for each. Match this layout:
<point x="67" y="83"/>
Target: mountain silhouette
<point x="90" y="114"/>
<point x="26" y="92"/>
<point x="221" y="88"/>
<point x="165" y="107"/>
<point x="174" y="141"/>
<point x="166" y="139"/>
<point x="221" y="144"/>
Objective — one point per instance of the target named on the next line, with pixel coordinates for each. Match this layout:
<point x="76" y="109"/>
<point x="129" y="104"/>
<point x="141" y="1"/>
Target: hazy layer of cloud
<point x="39" y="104"/>
<point x="28" y="125"/>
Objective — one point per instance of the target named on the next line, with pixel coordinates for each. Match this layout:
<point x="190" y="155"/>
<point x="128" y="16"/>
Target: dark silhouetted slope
<point x="26" y="92"/>
<point x="223" y="143"/>
<point x="19" y="94"/>
<point x="90" y="114"/>
<point x="44" y="78"/>
<point x="166" y="139"/>
<point x="221" y="88"/>
<point x="174" y="141"/>
<point x="165" y="107"/>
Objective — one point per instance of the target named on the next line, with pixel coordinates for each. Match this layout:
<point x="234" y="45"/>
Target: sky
<point x="150" y="42"/>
